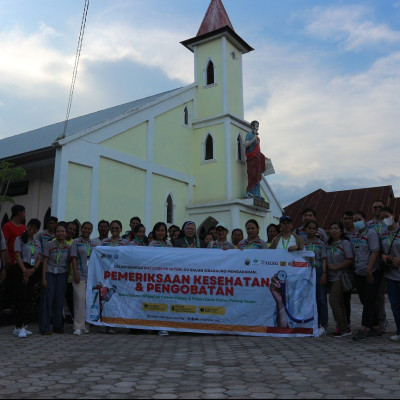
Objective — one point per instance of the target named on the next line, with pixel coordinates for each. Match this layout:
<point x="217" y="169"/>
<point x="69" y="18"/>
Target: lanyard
<point x="164" y="244"/>
<point x="379" y="227"/>
<point x="308" y="246"/>
<point x="59" y="252"/>
<point x="285" y="243"/>
<point x="187" y="243"/>
<point x="333" y="249"/>
<point x="32" y="246"/>
<point x="114" y="244"/>
<point x="88" y="248"/>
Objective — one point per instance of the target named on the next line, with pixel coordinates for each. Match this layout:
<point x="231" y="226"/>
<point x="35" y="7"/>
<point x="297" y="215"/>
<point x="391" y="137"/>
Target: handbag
<point x="347" y="280"/>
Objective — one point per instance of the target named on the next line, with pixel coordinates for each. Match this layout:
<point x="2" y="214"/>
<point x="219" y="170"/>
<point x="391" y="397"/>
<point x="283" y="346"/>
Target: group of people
<point x="358" y="253"/>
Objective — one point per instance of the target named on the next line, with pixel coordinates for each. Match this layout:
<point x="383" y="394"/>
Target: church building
<point x="171" y="157"/>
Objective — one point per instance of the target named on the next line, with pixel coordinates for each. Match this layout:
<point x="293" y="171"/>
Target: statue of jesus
<point x="255" y="161"/>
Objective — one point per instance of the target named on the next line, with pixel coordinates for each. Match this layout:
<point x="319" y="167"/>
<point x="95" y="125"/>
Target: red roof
<point x="216" y="17"/>
<point x="329" y="206"/>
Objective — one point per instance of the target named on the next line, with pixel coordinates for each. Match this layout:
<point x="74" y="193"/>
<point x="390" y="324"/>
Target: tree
<point x="8" y="174"/>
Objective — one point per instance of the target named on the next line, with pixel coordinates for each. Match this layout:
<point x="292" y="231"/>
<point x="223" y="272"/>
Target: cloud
<point x="319" y="124"/>
<point x="350" y="26"/>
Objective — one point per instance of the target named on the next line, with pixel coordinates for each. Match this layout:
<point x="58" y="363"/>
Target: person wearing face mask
<point x="390" y="240"/>
<point x="377" y="225"/>
<point x="368" y="276"/>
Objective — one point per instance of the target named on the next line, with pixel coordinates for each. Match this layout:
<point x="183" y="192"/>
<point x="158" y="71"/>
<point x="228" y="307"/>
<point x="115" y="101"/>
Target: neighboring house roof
<point x="43" y="138"/>
<point x="330" y="206"/>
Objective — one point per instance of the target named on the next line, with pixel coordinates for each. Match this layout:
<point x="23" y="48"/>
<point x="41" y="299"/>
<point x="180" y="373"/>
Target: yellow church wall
<point x="161" y="188"/>
<point x="171" y="138"/>
<point x="209" y="98"/>
<point x="234" y="77"/>
<point x="132" y="141"/>
<point x="210" y="176"/>
<point x="121" y="191"/>
<point x="78" y="192"/>
<point x="239" y="169"/>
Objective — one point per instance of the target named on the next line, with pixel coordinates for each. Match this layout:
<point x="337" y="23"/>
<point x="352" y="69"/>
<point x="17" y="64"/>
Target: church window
<point x="170" y="209"/>
<point x="186" y="116"/>
<point x="240" y="155"/>
<point x="209" y="148"/>
<point x="210" y="73"/>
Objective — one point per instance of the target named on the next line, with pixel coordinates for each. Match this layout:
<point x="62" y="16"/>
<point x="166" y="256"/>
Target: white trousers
<point x="80" y="305"/>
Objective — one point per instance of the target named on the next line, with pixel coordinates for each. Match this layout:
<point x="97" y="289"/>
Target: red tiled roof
<point x="216" y="17"/>
<point x="330" y="206"/>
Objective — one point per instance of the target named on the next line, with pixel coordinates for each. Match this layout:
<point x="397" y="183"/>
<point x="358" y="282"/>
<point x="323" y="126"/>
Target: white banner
<point x="249" y="292"/>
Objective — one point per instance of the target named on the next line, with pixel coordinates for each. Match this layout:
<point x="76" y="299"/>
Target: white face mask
<point x="388" y="221"/>
<point x="359" y="225"/>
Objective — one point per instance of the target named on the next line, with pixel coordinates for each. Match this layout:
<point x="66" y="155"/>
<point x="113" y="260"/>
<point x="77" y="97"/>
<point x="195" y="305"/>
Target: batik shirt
<point x="318" y="247"/>
<point x="137" y="242"/>
<point x="108" y="242"/>
<point x="337" y="254"/>
<point x="159" y="243"/>
<point x="43" y="237"/>
<point x="320" y="234"/>
<point x="29" y="251"/>
<point x="256" y="244"/>
<point x="216" y="244"/>
<point x="58" y="257"/>
<point x="367" y="242"/>
<point x="82" y="250"/>
<point x="387" y="238"/>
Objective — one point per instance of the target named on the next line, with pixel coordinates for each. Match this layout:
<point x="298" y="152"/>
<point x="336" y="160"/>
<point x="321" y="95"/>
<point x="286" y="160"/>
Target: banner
<point x="249" y="292"/>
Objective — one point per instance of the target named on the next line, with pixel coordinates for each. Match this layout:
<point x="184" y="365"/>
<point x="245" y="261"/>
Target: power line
<point x="75" y="72"/>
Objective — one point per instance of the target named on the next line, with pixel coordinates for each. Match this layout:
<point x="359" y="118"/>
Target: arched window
<point x="186" y="116"/>
<point x="210" y="73"/>
<point x="209" y="148"/>
<point x="170" y="209"/>
<point x="240" y="155"/>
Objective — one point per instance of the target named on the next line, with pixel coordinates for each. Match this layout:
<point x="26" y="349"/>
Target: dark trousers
<point x="368" y="293"/>
<point x="322" y="300"/>
<point x="52" y="301"/>
<point x="347" y="305"/>
<point x="10" y="287"/>
<point x="393" y="291"/>
<point x="23" y="300"/>
<point x="69" y="298"/>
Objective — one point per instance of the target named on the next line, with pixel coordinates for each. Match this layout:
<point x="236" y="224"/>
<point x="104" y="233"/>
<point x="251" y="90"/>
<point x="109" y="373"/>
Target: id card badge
<point x="33" y="261"/>
<point x="55" y="270"/>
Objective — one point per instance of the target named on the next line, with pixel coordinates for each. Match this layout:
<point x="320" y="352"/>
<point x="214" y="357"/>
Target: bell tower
<point x="218" y="52"/>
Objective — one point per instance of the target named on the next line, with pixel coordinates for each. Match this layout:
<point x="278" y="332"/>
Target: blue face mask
<point x="359" y="225"/>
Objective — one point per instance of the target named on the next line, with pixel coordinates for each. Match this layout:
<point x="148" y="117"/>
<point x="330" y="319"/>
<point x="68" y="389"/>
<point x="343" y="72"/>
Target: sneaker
<point x="85" y="331"/>
<point x="28" y="333"/>
<point x="16" y="331"/>
<point x="22" y="333"/>
<point x="360" y="335"/>
<point x="346" y="332"/>
<point x="339" y="333"/>
<point x="321" y="331"/>
<point x="374" y="332"/>
<point x="385" y="327"/>
<point x="163" y="333"/>
<point x="110" y="331"/>
<point x="77" y="332"/>
<point x="395" y="338"/>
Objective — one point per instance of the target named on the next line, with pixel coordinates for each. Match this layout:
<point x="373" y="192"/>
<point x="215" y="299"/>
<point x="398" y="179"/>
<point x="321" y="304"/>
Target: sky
<point x="324" y="79"/>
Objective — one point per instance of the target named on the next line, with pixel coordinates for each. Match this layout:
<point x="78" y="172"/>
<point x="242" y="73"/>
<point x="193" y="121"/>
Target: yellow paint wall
<point x="235" y="87"/>
<point x="239" y="170"/>
<point x="121" y="192"/>
<point x="209" y="99"/>
<point x="161" y="187"/>
<point x="78" y="192"/>
<point x="132" y="142"/>
<point x="210" y="177"/>
<point x="171" y="138"/>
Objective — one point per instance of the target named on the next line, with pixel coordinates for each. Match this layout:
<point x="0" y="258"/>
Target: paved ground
<point x="197" y="366"/>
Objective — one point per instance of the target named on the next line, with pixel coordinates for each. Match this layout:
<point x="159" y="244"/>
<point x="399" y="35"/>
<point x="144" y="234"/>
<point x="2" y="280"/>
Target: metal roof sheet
<point x="216" y="17"/>
<point x="42" y="138"/>
<point x="329" y="206"/>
